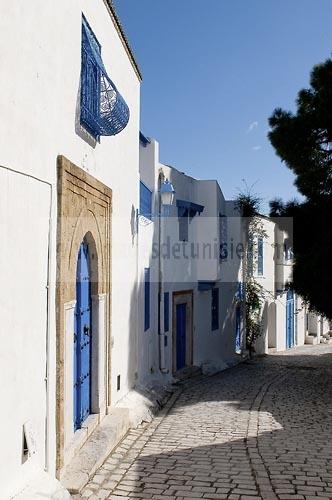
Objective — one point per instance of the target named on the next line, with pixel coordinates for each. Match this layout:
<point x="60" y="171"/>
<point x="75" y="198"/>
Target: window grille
<point x="103" y="109"/>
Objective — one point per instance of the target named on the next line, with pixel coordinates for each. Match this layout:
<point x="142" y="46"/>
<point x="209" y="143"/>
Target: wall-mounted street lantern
<point x="167" y="192"/>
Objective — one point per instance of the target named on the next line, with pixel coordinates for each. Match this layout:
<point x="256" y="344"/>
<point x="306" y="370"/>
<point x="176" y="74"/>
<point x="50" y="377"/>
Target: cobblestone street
<point x="259" y="430"/>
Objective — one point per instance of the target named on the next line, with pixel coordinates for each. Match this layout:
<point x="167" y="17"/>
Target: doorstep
<point x="186" y="373"/>
<point x="94" y="452"/>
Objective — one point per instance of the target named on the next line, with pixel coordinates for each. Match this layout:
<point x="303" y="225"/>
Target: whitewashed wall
<point x="148" y="359"/>
<point x="179" y="273"/>
<point x="24" y="225"/>
<point x="267" y="282"/>
<point x="40" y="48"/>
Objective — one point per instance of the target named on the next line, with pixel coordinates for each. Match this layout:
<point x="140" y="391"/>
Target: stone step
<point x="311" y="339"/>
<point x="95" y="451"/>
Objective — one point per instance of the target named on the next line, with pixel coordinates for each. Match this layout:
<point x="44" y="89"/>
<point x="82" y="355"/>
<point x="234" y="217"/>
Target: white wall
<point x="181" y="271"/>
<point x="23" y="333"/>
<point x="41" y="51"/>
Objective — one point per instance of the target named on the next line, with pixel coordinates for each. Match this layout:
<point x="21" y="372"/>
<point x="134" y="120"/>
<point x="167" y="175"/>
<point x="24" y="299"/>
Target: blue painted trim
<point x="186" y="208"/>
<point x="144" y="140"/>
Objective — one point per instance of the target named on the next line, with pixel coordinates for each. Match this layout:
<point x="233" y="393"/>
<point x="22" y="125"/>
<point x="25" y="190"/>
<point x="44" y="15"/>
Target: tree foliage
<point x="304" y="143"/>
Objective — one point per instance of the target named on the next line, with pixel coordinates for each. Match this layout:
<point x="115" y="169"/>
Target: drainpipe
<point x="48" y="307"/>
<point x="161" y="335"/>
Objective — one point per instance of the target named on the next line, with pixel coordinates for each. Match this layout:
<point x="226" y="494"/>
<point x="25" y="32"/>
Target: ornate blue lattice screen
<point x="103" y="109"/>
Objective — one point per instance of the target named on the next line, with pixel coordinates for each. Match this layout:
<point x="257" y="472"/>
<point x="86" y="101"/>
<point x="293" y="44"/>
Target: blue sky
<point x="213" y="72"/>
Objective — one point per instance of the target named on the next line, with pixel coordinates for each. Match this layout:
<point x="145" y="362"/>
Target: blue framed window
<point x="145" y="200"/>
<point x="215" y="309"/>
<point x="103" y="109"/>
<point x="260" y="256"/>
<point x="146" y="298"/>
<point x="166" y="311"/>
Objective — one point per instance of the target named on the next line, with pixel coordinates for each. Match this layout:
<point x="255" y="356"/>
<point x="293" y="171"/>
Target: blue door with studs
<point x="82" y="339"/>
<point x="181" y="314"/>
<point x="290" y="340"/>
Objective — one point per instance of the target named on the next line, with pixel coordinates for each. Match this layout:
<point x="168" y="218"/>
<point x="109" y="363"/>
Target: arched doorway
<point x="82" y="338"/>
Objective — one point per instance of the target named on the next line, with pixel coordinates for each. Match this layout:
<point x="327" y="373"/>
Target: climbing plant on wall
<point x="248" y="205"/>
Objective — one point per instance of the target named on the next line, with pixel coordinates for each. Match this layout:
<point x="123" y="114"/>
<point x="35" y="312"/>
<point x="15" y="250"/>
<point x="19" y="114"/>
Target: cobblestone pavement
<point x="260" y="430"/>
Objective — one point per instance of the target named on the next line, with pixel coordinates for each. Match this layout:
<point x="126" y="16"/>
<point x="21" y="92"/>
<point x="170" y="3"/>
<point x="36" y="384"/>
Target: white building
<point x="68" y="258"/>
<point x="286" y="320"/>
<point x="95" y="299"/>
<point x="187" y="292"/>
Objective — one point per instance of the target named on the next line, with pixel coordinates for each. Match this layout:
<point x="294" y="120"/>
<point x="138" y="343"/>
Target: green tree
<point x="304" y="143"/>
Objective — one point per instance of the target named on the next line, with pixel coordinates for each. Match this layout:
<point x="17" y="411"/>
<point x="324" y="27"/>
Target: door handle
<point x="86" y="330"/>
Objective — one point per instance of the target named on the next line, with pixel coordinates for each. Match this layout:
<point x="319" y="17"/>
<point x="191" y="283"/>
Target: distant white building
<point x="286" y="320"/>
<point x="187" y="290"/>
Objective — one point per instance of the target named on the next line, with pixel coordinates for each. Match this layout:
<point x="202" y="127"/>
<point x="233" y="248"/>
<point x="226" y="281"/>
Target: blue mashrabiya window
<point x="103" y="109"/>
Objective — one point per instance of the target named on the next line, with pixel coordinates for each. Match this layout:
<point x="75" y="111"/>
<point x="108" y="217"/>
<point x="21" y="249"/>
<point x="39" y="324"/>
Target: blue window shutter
<point x="146" y="298"/>
<point x="260" y="256"/>
<point x="166" y="311"/>
<point x="215" y="309"/>
<point x="145" y="200"/>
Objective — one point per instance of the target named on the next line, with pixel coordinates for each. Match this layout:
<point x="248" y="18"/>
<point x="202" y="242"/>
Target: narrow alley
<point x="259" y="430"/>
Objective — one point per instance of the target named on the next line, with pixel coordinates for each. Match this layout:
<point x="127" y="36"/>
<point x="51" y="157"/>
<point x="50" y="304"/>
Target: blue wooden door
<point x="82" y="339"/>
<point x="290" y="340"/>
<point x="238" y="329"/>
<point x="181" y="313"/>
